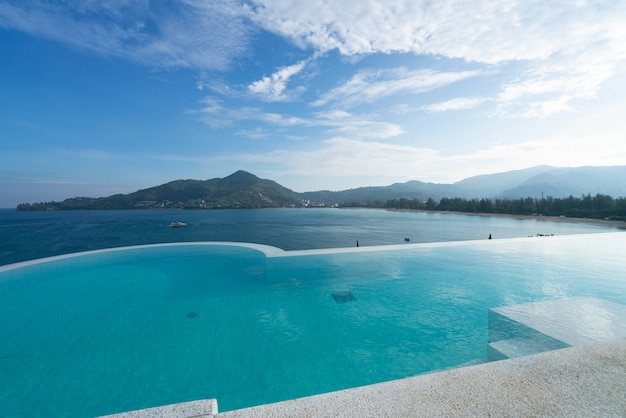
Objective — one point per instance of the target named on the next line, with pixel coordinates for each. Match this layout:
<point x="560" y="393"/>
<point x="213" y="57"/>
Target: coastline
<point x="605" y="222"/>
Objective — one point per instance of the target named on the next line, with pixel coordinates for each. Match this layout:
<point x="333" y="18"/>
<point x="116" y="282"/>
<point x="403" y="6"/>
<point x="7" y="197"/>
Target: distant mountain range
<point x="532" y="182"/>
<point x="548" y="181"/>
<point x="245" y="190"/>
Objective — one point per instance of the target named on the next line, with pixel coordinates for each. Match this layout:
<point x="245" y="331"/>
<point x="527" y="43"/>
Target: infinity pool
<point x="109" y="331"/>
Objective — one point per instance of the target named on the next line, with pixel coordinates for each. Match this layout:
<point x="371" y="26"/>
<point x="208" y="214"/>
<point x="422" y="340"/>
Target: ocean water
<point x="113" y="331"/>
<point x="32" y="235"/>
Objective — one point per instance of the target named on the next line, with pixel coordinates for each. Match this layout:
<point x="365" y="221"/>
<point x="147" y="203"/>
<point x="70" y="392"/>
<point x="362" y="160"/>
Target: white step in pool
<point x="535" y="327"/>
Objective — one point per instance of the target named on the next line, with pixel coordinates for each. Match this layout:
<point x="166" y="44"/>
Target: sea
<point x="33" y="235"/>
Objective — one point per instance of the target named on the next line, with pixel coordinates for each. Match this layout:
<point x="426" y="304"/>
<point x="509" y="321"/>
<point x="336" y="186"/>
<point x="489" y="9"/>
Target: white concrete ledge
<point x="205" y="408"/>
<point x="583" y="381"/>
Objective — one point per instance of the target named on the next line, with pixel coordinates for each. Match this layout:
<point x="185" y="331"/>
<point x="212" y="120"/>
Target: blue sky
<point x="105" y="97"/>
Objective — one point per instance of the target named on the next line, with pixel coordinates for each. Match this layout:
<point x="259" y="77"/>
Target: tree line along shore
<point x="600" y="206"/>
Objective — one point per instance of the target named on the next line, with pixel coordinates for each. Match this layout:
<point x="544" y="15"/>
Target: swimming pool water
<point x="114" y="331"/>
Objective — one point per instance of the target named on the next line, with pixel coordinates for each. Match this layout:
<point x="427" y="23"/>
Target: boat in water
<point x="177" y="224"/>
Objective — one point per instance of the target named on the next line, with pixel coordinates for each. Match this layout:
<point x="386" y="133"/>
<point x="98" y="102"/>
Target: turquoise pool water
<point x="118" y="330"/>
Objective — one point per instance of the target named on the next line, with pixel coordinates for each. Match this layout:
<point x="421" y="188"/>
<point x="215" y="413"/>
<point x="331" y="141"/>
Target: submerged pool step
<point x="518" y="347"/>
<point x="535" y="327"/>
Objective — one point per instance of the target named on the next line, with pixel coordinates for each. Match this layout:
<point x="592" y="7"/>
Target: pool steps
<point x="535" y="327"/>
<point x="517" y="347"/>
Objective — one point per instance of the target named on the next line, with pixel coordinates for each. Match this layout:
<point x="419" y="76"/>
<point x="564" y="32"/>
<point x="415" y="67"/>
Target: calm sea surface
<point x="32" y="235"/>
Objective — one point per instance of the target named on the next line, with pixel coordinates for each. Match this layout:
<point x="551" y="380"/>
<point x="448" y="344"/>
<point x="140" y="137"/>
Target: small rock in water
<point x="191" y="315"/>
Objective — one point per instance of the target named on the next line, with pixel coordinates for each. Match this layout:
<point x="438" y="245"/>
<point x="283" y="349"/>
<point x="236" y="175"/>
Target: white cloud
<point x="371" y="86"/>
<point x="216" y="115"/>
<point x="273" y="88"/>
<point x="460" y="103"/>
<point x="548" y="88"/>
<point x="538" y="109"/>
<point x="361" y="127"/>
<point x="257" y="133"/>
<point x="482" y="30"/>
<point x="200" y="35"/>
<point x="279" y="119"/>
<point x="568" y="49"/>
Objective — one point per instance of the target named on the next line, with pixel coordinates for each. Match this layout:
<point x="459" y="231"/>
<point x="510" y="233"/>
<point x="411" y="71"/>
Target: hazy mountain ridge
<point x="532" y="182"/>
<point x="563" y="182"/>
<point x="411" y="190"/>
<point x="245" y="190"/>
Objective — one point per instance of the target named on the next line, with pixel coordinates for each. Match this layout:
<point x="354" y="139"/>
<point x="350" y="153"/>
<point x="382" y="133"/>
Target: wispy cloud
<point x="215" y="114"/>
<point x="461" y="103"/>
<point x="371" y="86"/>
<point x="274" y="88"/>
<point x="568" y="49"/>
<point x="257" y="133"/>
<point x="483" y="30"/>
<point x="550" y="87"/>
<point x="355" y="126"/>
<point x="280" y="119"/>
<point x="200" y="35"/>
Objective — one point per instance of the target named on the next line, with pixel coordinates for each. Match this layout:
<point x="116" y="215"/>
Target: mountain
<point x="239" y="190"/>
<point x="532" y="182"/>
<point x="495" y="185"/>
<point x="548" y="181"/>
<point x="410" y="190"/>
<point x="563" y="182"/>
<point x="245" y="190"/>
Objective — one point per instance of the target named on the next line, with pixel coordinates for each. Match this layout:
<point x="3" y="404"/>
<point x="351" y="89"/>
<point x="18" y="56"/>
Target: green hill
<point x="239" y="190"/>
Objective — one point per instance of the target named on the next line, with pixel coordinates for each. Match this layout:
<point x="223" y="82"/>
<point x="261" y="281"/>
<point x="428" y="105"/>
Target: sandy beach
<point x="605" y="222"/>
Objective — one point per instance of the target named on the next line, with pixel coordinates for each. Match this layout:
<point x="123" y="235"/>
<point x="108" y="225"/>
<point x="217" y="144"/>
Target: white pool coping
<point x="271" y="252"/>
<point x="203" y="408"/>
<point x="581" y="381"/>
<point x="266" y="249"/>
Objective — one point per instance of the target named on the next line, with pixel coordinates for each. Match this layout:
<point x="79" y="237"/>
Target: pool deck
<point x="583" y="381"/>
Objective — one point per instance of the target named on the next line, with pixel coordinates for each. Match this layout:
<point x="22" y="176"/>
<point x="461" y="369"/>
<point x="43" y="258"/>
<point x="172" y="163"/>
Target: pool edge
<point x="275" y="252"/>
<point x="588" y="380"/>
